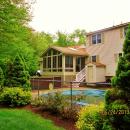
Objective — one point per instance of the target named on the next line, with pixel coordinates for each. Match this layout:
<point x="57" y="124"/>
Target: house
<point x="64" y="62"/>
<point x="94" y="62"/>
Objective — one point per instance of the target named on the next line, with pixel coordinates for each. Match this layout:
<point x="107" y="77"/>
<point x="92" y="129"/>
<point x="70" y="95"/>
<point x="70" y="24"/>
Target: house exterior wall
<point x="112" y="44"/>
<point x="100" y="72"/>
<point x="91" y="73"/>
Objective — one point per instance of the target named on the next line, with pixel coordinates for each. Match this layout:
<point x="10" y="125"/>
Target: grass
<point x="14" y="119"/>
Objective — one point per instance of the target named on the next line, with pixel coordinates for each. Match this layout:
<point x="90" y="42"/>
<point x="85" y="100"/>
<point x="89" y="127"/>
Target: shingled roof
<point x="98" y="64"/>
<point x="109" y="28"/>
<point x="77" y="51"/>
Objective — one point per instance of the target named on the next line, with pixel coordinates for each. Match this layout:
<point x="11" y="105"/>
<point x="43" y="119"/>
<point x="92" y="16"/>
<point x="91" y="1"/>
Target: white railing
<point x="79" y="77"/>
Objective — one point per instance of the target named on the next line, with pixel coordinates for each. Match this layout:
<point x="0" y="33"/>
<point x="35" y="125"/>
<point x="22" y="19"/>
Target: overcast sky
<point x="68" y="15"/>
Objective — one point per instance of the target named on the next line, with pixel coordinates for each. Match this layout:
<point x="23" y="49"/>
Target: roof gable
<point x="68" y="50"/>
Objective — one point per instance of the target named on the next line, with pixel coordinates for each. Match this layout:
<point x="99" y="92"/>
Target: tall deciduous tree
<point x="14" y="33"/>
<point x="40" y="42"/>
<point x="77" y="37"/>
<point x="80" y="35"/>
<point x="62" y="39"/>
<point x="118" y="99"/>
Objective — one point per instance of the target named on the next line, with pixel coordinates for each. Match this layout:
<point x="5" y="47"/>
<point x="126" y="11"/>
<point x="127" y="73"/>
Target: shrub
<point x="119" y="116"/>
<point x="56" y="103"/>
<point x="70" y="112"/>
<point x="15" y="97"/>
<point x="90" y="118"/>
<point x="115" y="94"/>
<point x="52" y="102"/>
<point x="37" y="101"/>
<point x="107" y="126"/>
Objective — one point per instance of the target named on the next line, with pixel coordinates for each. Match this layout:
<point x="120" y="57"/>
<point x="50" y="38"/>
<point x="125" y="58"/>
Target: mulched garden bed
<point x="66" y="124"/>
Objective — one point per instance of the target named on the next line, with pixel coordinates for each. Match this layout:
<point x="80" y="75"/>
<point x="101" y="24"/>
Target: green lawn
<point x="13" y="119"/>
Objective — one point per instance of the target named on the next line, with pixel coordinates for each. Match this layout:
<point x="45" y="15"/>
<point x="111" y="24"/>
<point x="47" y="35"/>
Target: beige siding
<point x="112" y="44"/>
<point x="91" y="73"/>
<point x="95" y="73"/>
<point x="100" y="72"/>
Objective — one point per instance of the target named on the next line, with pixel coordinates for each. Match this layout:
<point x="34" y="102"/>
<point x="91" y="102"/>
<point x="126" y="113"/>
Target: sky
<point x="67" y="15"/>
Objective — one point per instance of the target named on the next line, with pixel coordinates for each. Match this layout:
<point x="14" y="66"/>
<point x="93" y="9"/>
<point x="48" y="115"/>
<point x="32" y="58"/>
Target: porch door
<point x="90" y="73"/>
<point x="80" y="63"/>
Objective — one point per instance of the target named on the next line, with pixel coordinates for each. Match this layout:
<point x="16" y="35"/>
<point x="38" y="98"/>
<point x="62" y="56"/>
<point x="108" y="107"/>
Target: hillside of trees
<point x="16" y="37"/>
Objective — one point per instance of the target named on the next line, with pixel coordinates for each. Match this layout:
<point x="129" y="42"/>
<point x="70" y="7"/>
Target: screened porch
<point x="56" y="61"/>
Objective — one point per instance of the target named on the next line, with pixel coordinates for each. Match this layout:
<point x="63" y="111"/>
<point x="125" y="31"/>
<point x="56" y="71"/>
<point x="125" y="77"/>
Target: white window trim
<point x="96" y="39"/>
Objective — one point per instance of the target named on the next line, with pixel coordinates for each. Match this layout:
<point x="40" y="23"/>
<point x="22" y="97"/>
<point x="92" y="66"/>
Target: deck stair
<point x="80" y="77"/>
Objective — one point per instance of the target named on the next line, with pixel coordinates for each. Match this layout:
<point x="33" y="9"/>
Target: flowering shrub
<point x="15" y="97"/>
<point x="89" y="118"/>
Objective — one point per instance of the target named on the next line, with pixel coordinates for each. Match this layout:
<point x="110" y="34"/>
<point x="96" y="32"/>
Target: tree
<point x="1" y="78"/>
<point x="15" y="34"/>
<point x="62" y="39"/>
<point x="80" y="35"/>
<point x="16" y="74"/>
<point x="77" y="37"/>
<point x="40" y="42"/>
<point x="9" y="74"/>
<point x="119" y="97"/>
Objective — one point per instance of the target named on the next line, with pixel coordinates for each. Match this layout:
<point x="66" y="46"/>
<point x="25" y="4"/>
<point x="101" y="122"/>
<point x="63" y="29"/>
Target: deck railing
<point x="79" y="77"/>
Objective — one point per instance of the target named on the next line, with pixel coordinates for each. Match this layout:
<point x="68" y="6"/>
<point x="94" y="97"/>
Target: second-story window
<point x="96" y="38"/>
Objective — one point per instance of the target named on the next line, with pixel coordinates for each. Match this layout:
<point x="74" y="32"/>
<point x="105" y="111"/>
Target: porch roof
<point x="70" y="50"/>
<point x="98" y="64"/>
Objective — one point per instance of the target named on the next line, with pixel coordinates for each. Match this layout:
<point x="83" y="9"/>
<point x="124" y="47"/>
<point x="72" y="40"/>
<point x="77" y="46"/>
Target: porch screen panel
<point x="69" y="63"/>
<point x="54" y="63"/>
<point x="44" y="63"/>
<point x="60" y="63"/>
<point x="49" y="63"/>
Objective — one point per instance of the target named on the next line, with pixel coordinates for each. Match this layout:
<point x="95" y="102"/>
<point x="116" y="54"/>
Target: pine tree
<point x="16" y="74"/>
<point x="9" y="74"/>
<point x="1" y="78"/>
<point x="119" y="97"/>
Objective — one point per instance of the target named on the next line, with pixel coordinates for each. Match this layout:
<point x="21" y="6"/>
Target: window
<point x="49" y="53"/>
<point x="44" y="62"/>
<point x="54" y="61"/>
<point x="96" y="38"/>
<point x="68" y="61"/>
<point x="80" y="63"/>
<point x="49" y="62"/>
<point x="60" y="61"/>
<point x="54" y="52"/>
<point x="93" y="58"/>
